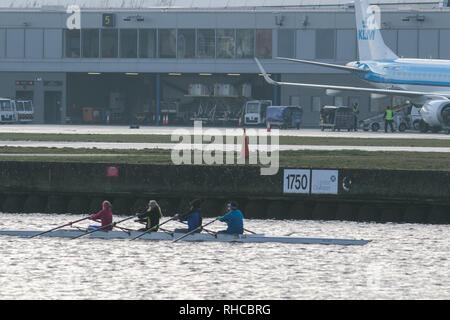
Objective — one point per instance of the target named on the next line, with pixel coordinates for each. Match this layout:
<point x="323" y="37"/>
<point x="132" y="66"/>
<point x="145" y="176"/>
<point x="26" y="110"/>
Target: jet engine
<point x="436" y="114"/>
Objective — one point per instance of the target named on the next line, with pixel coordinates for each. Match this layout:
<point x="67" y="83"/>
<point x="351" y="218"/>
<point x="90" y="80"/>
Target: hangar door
<point x="52" y="107"/>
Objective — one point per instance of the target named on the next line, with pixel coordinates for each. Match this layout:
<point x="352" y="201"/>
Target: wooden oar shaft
<point x="64" y="225"/>
<point x="102" y="228"/>
<point x="196" y="229"/>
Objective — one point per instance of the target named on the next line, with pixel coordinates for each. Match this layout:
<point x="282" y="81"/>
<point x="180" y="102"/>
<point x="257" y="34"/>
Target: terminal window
<point x="225" y="43"/>
<point x="186" y="43"/>
<point x="72" y="43"/>
<point x="167" y="43"/>
<point x="90" y="40"/>
<point x="128" y="43"/>
<point x="264" y="43"/>
<point x="176" y="43"/>
<point x="109" y="43"/>
<point x="245" y="43"/>
<point x="206" y="43"/>
<point x="147" y="43"/>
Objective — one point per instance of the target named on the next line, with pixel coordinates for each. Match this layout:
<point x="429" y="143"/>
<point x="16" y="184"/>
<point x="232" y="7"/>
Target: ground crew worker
<point x="151" y="216"/>
<point x="388" y="119"/>
<point x="355" y="115"/>
<point x="233" y="218"/>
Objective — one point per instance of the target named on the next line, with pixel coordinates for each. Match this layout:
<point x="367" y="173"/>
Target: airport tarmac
<point x="210" y="147"/>
<point x="169" y="130"/>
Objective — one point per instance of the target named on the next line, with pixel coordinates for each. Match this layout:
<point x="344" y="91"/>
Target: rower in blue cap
<point x="233" y="218"/>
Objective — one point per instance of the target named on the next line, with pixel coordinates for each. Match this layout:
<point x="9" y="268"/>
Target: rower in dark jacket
<point x="193" y="217"/>
<point x="151" y="216"/>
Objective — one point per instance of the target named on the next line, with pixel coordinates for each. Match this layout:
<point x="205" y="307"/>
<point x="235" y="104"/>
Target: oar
<point x="167" y="231"/>
<point x="249" y="231"/>
<point x="126" y="230"/>
<point x="64" y="225"/>
<point x="102" y="228"/>
<point x="213" y="233"/>
<point x="196" y="229"/>
<point x="153" y="228"/>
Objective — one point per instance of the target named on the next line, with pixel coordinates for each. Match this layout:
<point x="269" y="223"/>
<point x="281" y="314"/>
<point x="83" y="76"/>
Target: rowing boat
<point x="196" y="237"/>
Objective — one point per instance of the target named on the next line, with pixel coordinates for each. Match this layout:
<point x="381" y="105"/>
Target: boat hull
<point x="197" y="237"/>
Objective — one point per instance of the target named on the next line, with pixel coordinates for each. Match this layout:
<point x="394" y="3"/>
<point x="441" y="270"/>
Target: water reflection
<point x="404" y="261"/>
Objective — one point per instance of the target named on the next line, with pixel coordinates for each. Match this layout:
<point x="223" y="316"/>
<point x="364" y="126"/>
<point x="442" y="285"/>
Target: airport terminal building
<point x="171" y="61"/>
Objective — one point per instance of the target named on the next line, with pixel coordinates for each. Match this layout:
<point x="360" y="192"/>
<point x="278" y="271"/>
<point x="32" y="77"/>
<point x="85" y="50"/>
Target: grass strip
<point x="346" y="159"/>
<point x="283" y="140"/>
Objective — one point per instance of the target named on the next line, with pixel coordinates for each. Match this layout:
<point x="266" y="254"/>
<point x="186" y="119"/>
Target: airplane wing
<point x="327" y="65"/>
<point x="395" y="92"/>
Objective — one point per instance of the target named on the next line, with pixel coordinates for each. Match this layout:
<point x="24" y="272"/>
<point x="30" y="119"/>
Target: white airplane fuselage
<point x="424" y="75"/>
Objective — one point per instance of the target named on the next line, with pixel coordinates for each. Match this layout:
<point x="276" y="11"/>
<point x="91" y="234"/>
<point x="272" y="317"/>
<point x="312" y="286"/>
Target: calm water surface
<point x="404" y="261"/>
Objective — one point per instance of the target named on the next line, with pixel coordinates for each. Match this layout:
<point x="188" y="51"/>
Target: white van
<point x="255" y="112"/>
<point x="7" y="111"/>
<point x="25" y="111"/>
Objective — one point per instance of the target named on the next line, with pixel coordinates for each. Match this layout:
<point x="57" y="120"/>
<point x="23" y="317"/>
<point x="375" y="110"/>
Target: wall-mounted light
<point x="305" y="21"/>
<point x="420" y="18"/>
<point x="349" y="5"/>
<point x="174" y="74"/>
<point x="416" y="17"/>
<point x="134" y="18"/>
<point x="279" y="20"/>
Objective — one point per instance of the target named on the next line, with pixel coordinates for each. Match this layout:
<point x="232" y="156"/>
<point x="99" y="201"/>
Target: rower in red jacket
<point x="105" y="215"/>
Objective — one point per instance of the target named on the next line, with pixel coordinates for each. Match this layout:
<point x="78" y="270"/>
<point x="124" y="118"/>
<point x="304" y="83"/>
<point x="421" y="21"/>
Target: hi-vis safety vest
<point x="388" y="114"/>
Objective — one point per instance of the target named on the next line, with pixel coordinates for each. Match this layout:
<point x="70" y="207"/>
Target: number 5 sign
<point x="297" y="181"/>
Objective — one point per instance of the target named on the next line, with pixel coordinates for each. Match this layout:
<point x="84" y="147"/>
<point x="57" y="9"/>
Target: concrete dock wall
<point x="361" y="195"/>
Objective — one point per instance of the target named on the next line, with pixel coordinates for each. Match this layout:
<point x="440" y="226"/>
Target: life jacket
<point x="388" y="114"/>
